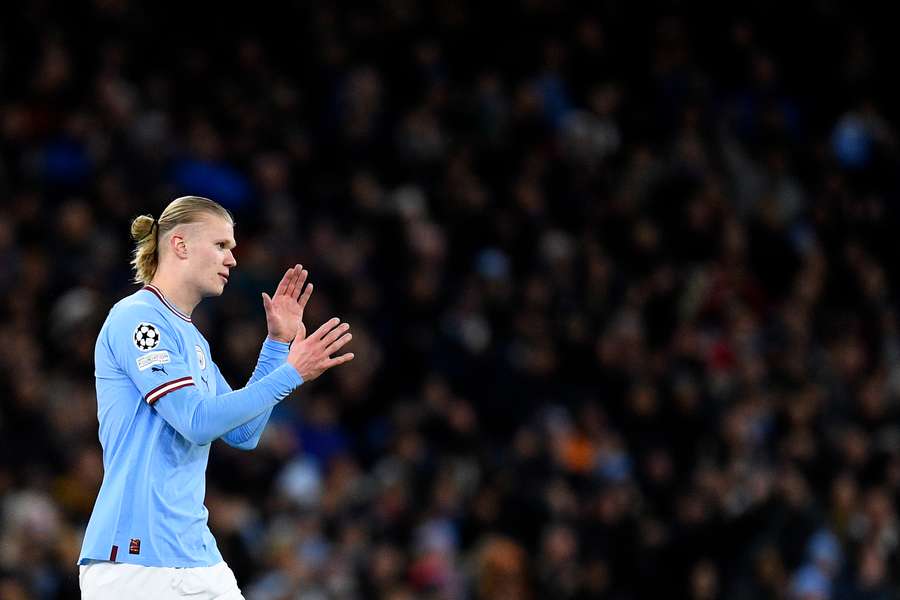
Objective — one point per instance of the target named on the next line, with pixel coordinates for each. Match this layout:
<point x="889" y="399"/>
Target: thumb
<point x="267" y="302"/>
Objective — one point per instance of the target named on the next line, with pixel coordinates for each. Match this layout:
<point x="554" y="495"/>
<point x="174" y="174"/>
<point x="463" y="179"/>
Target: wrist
<point x="280" y="340"/>
<point x="294" y="372"/>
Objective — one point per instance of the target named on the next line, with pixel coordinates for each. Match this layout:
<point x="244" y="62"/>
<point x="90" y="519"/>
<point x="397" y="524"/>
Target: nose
<point x="230" y="261"/>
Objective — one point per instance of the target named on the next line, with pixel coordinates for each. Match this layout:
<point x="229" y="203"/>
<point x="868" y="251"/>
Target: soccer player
<point x="161" y="402"/>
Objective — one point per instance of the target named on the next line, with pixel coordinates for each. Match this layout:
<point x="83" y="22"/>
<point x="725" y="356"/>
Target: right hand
<point x="312" y="355"/>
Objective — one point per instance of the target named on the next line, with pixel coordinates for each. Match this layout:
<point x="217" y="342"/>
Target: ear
<point x="177" y="245"/>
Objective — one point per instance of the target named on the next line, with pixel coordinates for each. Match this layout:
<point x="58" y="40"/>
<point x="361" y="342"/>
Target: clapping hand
<point x="284" y="310"/>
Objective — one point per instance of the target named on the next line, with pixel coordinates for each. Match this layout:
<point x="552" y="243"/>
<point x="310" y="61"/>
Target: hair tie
<point x="153" y="227"/>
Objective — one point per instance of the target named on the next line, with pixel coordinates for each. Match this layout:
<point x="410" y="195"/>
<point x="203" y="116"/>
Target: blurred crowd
<point x="620" y="284"/>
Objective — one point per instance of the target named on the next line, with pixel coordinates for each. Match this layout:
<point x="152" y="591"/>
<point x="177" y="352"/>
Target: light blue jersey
<point x="161" y="402"/>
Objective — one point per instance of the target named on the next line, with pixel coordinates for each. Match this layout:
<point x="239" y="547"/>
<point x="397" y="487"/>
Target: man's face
<point x="210" y="243"/>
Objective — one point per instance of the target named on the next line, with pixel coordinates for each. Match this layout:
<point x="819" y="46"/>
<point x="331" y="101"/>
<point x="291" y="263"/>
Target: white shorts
<point x="101" y="580"/>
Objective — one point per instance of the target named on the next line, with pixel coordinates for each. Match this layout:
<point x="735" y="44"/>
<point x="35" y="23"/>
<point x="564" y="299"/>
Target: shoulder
<point x="131" y="308"/>
<point x="141" y="321"/>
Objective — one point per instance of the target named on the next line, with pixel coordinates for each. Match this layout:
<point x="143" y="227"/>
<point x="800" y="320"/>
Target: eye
<point x="221" y="245"/>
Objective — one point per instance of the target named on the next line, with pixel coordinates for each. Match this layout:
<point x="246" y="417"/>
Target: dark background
<point x="621" y="281"/>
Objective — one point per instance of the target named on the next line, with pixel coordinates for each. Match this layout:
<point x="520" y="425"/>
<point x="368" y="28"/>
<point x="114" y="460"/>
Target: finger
<point x="282" y="286"/>
<point x="339" y="360"/>
<point x="292" y="281"/>
<point x="304" y="298"/>
<point x="325" y="328"/>
<point x="267" y="301"/>
<point x="338" y="343"/>
<point x="335" y="333"/>
<point x="301" y="279"/>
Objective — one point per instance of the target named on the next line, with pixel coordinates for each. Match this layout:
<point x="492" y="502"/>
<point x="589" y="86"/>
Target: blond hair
<point x="147" y="231"/>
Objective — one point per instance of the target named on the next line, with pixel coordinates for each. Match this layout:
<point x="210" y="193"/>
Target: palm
<point x="284" y="310"/>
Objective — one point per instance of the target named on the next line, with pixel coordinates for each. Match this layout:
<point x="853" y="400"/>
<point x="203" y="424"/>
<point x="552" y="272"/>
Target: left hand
<point x="284" y="310"/>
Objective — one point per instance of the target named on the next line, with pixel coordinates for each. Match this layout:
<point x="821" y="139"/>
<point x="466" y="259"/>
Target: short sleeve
<point x="147" y="348"/>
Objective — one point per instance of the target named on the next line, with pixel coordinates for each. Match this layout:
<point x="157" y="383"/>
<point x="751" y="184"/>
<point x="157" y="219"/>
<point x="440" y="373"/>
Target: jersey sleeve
<point x="199" y="418"/>
<point x="246" y="436"/>
<point x="271" y="356"/>
<point x="149" y="351"/>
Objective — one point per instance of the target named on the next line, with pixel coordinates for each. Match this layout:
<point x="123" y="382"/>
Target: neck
<point x="181" y="296"/>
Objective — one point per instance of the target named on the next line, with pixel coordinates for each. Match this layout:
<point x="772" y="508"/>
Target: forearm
<point x="271" y="356"/>
<point x="246" y="436"/>
<point x="201" y="419"/>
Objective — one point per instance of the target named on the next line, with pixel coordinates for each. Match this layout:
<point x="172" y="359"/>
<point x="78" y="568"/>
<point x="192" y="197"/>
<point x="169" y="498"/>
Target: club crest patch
<point x="201" y="358"/>
<point x="146" y="337"/>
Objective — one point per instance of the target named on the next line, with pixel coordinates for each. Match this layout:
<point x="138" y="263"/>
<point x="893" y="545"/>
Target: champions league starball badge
<point x="146" y="337"/>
